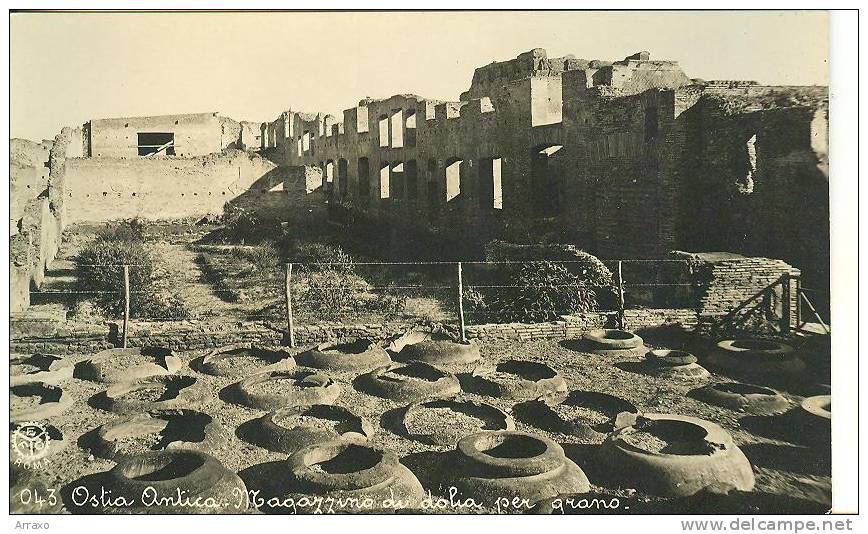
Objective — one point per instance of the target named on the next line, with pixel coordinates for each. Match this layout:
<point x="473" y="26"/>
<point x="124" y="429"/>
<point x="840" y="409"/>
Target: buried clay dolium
<point x="343" y="470"/>
<point x="518" y="379"/>
<point x="675" y="365"/>
<point x="120" y="365"/>
<point x="292" y="428"/>
<point x="588" y="415"/>
<point x="242" y="359"/>
<point x="152" y="482"/>
<point x="512" y="464"/>
<point x="746" y="398"/>
<point x="45" y="368"/>
<point x="34" y="401"/>
<point x="752" y="357"/>
<point x="445" y="421"/>
<point x="409" y="382"/>
<point x="675" y="456"/>
<point x="438" y="349"/>
<point x="156" y="430"/>
<point x="358" y="356"/>
<point x="815" y="413"/>
<point x="277" y="389"/>
<point x="154" y="393"/>
<point x="609" y="342"/>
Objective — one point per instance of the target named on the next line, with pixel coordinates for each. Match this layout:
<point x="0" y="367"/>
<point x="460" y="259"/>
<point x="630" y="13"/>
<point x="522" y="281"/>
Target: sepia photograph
<point x="426" y="263"/>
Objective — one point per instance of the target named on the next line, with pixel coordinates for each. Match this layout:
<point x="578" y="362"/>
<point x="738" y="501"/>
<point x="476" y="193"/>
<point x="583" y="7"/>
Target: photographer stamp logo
<point x="30" y="445"/>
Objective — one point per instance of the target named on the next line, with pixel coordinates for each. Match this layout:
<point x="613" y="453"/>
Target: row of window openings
<point x="400" y="180"/>
<point x="395" y="131"/>
<point x="396" y="178"/>
<point x="392" y="129"/>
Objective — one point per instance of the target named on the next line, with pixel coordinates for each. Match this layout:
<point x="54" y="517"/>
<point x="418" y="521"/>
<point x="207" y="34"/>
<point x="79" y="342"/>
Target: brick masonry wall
<point x="734" y="282"/>
<point x="649" y="317"/>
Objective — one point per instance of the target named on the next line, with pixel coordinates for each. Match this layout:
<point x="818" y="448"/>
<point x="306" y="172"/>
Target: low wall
<point x="197" y="335"/>
<point x="287" y="194"/>
<point x="649" y="317"/>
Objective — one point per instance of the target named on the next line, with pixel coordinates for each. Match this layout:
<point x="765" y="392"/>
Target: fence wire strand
<point x="267" y="290"/>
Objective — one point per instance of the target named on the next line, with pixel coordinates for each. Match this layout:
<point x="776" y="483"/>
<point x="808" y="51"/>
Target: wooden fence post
<point x="621" y="321"/>
<point x="126" y="305"/>
<point x="461" y="304"/>
<point x="786" y="301"/>
<point x="290" y="329"/>
<point x="796" y="288"/>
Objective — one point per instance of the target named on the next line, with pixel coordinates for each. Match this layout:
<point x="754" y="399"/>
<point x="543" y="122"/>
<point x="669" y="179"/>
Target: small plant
<point x="263" y="257"/>
<point x="332" y="293"/>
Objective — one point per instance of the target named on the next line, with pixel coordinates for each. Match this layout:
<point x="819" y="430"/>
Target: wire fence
<point x="461" y="293"/>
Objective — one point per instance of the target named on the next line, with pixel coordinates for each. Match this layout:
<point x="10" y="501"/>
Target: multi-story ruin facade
<point x="629" y="158"/>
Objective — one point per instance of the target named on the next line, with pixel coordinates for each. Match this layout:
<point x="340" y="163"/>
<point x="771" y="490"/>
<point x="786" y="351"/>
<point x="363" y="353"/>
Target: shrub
<point x="545" y="281"/>
<point x="247" y="226"/>
<point x="309" y="253"/>
<point x="330" y="287"/>
<point x="99" y="270"/>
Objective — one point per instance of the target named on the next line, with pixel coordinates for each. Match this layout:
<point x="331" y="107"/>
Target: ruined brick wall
<point x="757" y="166"/>
<point x="196" y="335"/>
<point x="636" y="160"/>
<point x="37" y="211"/>
<point x="575" y="159"/>
<point x="635" y="319"/>
<point x="101" y="189"/>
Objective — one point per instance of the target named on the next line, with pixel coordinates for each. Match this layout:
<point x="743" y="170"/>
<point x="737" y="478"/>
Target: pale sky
<point x="67" y="68"/>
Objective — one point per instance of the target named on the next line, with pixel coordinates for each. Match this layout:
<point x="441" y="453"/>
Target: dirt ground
<point x="782" y="468"/>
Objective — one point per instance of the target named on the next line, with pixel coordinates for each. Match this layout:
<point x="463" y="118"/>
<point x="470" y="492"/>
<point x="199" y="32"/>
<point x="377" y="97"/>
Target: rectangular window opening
<point x="397" y="128"/>
<point x="490" y="184"/>
<point x="411" y="179"/>
<point x="384" y="131"/>
<point x="453" y="180"/>
<point x="384" y="181"/>
<point x="151" y="143"/>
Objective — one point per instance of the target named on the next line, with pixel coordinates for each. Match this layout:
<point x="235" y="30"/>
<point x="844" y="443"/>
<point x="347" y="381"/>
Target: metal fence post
<point x="461" y="304"/>
<point x="290" y="329"/>
<point x="126" y="305"/>
<point x="621" y="321"/>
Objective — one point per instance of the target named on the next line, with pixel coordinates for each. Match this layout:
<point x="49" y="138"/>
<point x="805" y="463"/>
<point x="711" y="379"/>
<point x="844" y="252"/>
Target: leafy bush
<point x="247" y="226"/>
<point x="99" y="270"/>
<point x="543" y="283"/>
